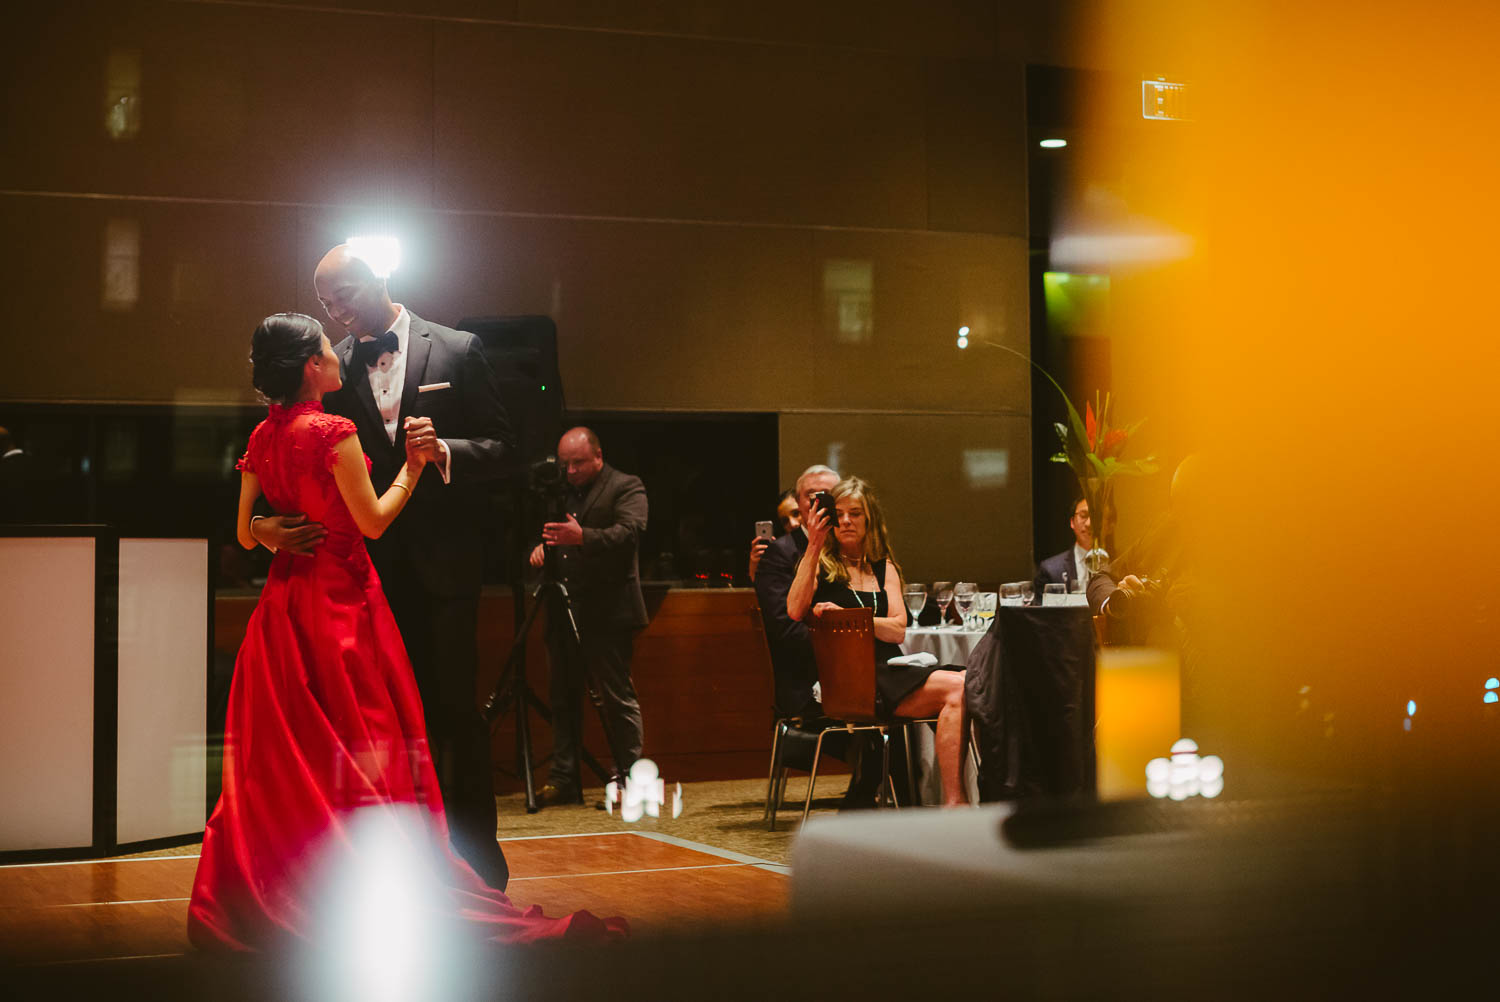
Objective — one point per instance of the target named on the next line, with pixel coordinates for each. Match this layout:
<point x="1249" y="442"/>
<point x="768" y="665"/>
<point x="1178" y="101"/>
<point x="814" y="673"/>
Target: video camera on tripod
<point x="547" y="488"/>
<point x="547" y="483"/>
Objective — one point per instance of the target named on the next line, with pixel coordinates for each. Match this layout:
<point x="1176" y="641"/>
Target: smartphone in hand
<point x="824" y="500"/>
<point x="765" y="530"/>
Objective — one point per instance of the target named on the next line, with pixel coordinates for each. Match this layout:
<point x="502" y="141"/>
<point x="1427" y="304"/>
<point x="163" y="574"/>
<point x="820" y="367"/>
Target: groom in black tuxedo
<point x="406" y="378"/>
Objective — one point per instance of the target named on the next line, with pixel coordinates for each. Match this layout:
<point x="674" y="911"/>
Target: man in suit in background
<point x="791" y="646"/>
<point x="1068" y="567"/>
<point x="406" y="378"/>
<point x="788" y="517"/>
<point x="596" y="550"/>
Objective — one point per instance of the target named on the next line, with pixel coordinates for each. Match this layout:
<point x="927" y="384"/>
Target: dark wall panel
<point x="623" y="125"/>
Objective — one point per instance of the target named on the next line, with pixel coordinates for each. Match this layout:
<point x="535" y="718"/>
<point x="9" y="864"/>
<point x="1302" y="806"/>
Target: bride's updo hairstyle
<point x="279" y="349"/>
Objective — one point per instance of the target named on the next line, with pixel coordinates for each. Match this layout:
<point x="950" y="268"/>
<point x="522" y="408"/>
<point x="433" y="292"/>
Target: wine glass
<point x="963" y="597"/>
<point x="916" y="601"/>
<point x="1028" y="592"/>
<point x="943" y="592"/>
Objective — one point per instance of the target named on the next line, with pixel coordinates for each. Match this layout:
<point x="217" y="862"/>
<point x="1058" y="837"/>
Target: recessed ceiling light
<point x="1053" y="144"/>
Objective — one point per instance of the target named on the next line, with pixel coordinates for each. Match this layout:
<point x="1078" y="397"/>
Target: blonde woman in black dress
<point x="848" y="565"/>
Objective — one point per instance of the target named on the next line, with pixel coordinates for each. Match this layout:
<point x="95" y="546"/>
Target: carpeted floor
<point x="724" y="814"/>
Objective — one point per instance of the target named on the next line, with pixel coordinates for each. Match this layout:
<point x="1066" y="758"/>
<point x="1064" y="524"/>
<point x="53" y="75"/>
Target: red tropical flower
<point x="1090" y="424"/>
<point x="1114" y="441"/>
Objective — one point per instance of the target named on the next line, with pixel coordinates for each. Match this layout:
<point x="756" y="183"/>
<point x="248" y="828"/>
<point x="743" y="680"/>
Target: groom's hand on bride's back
<point x="289" y="532"/>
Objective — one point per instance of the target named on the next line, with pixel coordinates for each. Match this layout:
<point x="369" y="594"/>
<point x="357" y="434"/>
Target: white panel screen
<point x="163" y="682"/>
<point x="46" y="693"/>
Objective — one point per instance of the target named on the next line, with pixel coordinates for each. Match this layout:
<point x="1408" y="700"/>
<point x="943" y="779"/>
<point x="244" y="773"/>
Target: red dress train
<point x="324" y="728"/>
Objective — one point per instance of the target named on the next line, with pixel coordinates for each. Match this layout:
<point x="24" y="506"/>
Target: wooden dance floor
<point x="110" y="909"/>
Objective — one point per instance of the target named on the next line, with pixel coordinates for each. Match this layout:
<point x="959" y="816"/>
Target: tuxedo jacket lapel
<point x="358" y="378"/>
<point x="418" y="348"/>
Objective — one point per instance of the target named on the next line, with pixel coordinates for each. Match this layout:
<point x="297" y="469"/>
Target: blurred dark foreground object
<point x="1326" y="896"/>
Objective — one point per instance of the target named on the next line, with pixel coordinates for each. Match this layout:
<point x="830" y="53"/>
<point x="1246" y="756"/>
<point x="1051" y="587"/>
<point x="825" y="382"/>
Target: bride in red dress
<point x="325" y="732"/>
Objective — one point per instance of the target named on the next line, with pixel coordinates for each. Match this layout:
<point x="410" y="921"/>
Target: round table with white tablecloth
<point x="951" y="646"/>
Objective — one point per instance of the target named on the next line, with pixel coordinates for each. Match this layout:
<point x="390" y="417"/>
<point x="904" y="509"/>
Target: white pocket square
<point x="434" y="386"/>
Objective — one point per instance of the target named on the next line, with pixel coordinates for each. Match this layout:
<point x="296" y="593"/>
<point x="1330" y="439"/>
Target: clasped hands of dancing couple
<point x="326" y="735"/>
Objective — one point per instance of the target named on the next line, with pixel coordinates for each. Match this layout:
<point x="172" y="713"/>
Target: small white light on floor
<point x="1185" y="774"/>
<point x="645" y="792"/>
<point x="677" y="801"/>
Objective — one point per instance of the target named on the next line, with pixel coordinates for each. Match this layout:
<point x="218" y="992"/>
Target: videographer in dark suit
<point x="407" y="379"/>
<point x="596" y="549"/>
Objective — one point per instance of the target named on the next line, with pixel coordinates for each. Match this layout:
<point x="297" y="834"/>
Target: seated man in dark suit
<point x="1068" y="567"/>
<point x="791" y="647"/>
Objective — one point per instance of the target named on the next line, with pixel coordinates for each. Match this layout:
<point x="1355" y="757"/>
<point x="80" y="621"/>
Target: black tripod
<point x="513" y="693"/>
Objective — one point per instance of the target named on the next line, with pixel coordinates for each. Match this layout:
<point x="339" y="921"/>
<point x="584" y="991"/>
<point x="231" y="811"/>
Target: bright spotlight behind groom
<point x="405" y="377"/>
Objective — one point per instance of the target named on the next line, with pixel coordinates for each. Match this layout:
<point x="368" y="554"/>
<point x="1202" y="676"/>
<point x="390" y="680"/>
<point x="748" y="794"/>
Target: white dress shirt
<point x="387" y="383"/>
<point x="1080" y="563"/>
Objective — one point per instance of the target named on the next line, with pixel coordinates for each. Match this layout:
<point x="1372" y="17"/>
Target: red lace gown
<point x="324" y="731"/>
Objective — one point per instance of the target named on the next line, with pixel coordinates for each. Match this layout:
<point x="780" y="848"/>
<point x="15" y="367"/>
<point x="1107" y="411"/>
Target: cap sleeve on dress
<point x="333" y="429"/>
<point x="253" y="449"/>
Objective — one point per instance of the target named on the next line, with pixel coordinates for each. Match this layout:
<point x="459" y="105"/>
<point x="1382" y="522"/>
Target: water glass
<point x="1027" y="592"/>
<point x="916" y="601"/>
<point x="1010" y="594"/>
<point x="963" y="597"/>
<point x="1052" y="593"/>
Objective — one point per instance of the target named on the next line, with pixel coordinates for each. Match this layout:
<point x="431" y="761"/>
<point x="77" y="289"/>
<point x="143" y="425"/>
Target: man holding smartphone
<point x="766" y="533"/>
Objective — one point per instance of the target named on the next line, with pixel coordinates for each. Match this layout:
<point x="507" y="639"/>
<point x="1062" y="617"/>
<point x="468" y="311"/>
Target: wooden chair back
<point x="843" y="643"/>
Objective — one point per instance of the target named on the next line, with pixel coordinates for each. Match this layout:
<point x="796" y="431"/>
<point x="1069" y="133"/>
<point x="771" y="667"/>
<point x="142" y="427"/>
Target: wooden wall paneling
<point x="639" y="126"/>
<point x="235" y="103"/>
<point x="207" y="274"/>
<point x="976" y="146"/>
<point x="944" y="522"/>
<point x="924" y="288"/>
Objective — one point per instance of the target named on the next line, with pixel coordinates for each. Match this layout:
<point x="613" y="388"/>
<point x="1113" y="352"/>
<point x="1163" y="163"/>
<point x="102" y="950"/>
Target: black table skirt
<point x="1030" y="694"/>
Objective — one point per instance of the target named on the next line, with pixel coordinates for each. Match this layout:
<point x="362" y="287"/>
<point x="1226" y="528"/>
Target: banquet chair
<point x="843" y="643"/>
<point x="787" y="730"/>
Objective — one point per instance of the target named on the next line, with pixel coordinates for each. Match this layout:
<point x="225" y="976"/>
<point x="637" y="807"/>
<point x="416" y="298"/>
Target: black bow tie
<point x="367" y="353"/>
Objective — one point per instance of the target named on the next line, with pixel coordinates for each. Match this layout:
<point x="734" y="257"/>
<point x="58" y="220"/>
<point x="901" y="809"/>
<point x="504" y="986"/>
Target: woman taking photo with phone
<point x="848" y="565"/>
